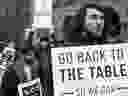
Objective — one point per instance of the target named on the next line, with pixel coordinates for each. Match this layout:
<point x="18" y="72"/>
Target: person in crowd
<point x="24" y="66"/>
<point x="93" y="24"/>
<point x="9" y="52"/>
<point x="10" y="79"/>
<point x="32" y="61"/>
<point x="45" y="71"/>
<point x="40" y="47"/>
<point x="20" y="65"/>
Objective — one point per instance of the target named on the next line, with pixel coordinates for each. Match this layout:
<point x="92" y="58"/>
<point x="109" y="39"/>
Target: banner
<point x="100" y="64"/>
<point x="30" y="88"/>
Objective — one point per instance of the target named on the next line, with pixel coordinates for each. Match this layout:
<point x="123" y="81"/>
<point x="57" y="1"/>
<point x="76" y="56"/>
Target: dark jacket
<point x="45" y="71"/>
<point x="10" y="82"/>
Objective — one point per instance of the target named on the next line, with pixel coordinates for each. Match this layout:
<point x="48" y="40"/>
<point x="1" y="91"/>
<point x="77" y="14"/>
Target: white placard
<point x="99" y="64"/>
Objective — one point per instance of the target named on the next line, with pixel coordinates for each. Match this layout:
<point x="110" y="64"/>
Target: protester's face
<point x="94" y="21"/>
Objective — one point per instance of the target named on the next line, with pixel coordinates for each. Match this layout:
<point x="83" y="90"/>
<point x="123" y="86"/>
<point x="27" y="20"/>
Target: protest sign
<point x="30" y="88"/>
<point x="102" y="64"/>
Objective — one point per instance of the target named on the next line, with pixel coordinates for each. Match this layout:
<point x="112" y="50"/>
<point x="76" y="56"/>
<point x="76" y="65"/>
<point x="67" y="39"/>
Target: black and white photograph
<point x="64" y="48"/>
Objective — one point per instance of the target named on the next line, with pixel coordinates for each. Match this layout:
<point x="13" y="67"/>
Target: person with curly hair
<point x="93" y="24"/>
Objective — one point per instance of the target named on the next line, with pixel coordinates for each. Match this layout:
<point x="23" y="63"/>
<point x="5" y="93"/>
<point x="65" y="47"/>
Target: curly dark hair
<point x="75" y="24"/>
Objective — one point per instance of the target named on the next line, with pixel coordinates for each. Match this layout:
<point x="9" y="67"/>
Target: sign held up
<point x="101" y="63"/>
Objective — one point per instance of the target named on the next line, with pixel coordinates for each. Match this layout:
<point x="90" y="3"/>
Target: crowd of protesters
<point x="19" y="65"/>
<point x="33" y="61"/>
